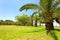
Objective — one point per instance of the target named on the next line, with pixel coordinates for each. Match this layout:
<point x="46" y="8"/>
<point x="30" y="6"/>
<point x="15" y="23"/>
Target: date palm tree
<point x="48" y="8"/>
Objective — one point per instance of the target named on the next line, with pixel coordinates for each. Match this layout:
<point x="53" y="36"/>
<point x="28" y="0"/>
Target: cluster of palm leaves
<point x="49" y="10"/>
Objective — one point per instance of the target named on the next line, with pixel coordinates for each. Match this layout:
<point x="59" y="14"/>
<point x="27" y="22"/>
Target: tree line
<point x="24" y="20"/>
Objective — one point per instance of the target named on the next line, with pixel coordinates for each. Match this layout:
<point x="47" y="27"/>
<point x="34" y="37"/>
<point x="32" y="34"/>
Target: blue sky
<point x="10" y="8"/>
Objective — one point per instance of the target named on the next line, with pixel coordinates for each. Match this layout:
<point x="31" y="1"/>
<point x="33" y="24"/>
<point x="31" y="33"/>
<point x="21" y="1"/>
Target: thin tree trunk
<point x="31" y="22"/>
<point x="39" y="23"/>
<point x="36" y="22"/>
<point x="39" y="18"/>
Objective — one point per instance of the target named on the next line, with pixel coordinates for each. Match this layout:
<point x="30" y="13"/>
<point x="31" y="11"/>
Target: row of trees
<point x="6" y="22"/>
<point x="24" y="20"/>
<point x="32" y="20"/>
<point x="10" y="22"/>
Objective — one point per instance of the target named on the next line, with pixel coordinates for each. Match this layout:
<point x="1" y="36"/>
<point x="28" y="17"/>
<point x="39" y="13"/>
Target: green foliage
<point x="55" y="6"/>
<point x="9" y="22"/>
<point x="58" y="10"/>
<point x="29" y="6"/>
<point x="35" y="16"/>
<point x="1" y="22"/>
<point x="6" y="22"/>
<point x="56" y="15"/>
<point x="44" y="4"/>
<point x="23" y="19"/>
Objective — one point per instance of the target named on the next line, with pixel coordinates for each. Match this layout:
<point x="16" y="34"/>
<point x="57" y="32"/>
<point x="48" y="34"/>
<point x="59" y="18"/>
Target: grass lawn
<point x="28" y="33"/>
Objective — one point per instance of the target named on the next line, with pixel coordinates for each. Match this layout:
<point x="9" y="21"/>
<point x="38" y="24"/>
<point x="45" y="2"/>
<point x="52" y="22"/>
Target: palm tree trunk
<point x="49" y="21"/>
<point x="49" y="17"/>
<point x="49" y="26"/>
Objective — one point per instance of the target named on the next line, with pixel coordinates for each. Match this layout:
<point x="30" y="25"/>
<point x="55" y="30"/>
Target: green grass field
<point x="28" y="33"/>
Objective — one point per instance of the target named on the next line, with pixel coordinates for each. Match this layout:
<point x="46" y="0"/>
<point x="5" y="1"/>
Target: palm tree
<point x="48" y="8"/>
<point x="35" y="18"/>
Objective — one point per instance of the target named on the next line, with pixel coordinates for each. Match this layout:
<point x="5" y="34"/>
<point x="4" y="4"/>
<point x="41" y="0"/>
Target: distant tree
<point x="17" y="23"/>
<point x="9" y="22"/>
<point x="23" y="19"/>
<point x="1" y="22"/>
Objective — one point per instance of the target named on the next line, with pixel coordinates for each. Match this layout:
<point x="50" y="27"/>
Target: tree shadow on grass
<point x="32" y="31"/>
<point x="40" y="30"/>
<point x="53" y="35"/>
<point x="57" y="29"/>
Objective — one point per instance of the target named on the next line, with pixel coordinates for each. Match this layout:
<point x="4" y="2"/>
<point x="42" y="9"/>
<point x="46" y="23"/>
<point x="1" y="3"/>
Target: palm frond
<point x="57" y="10"/>
<point x="54" y="6"/>
<point x="49" y="4"/>
<point x="34" y="13"/>
<point x="29" y="6"/>
<point x="43" y="3"/>
<point x="46" y="4"/>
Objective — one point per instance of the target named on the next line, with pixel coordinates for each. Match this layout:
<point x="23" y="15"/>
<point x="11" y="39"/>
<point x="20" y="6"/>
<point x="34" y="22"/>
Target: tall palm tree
<point x="48" y="8"/>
